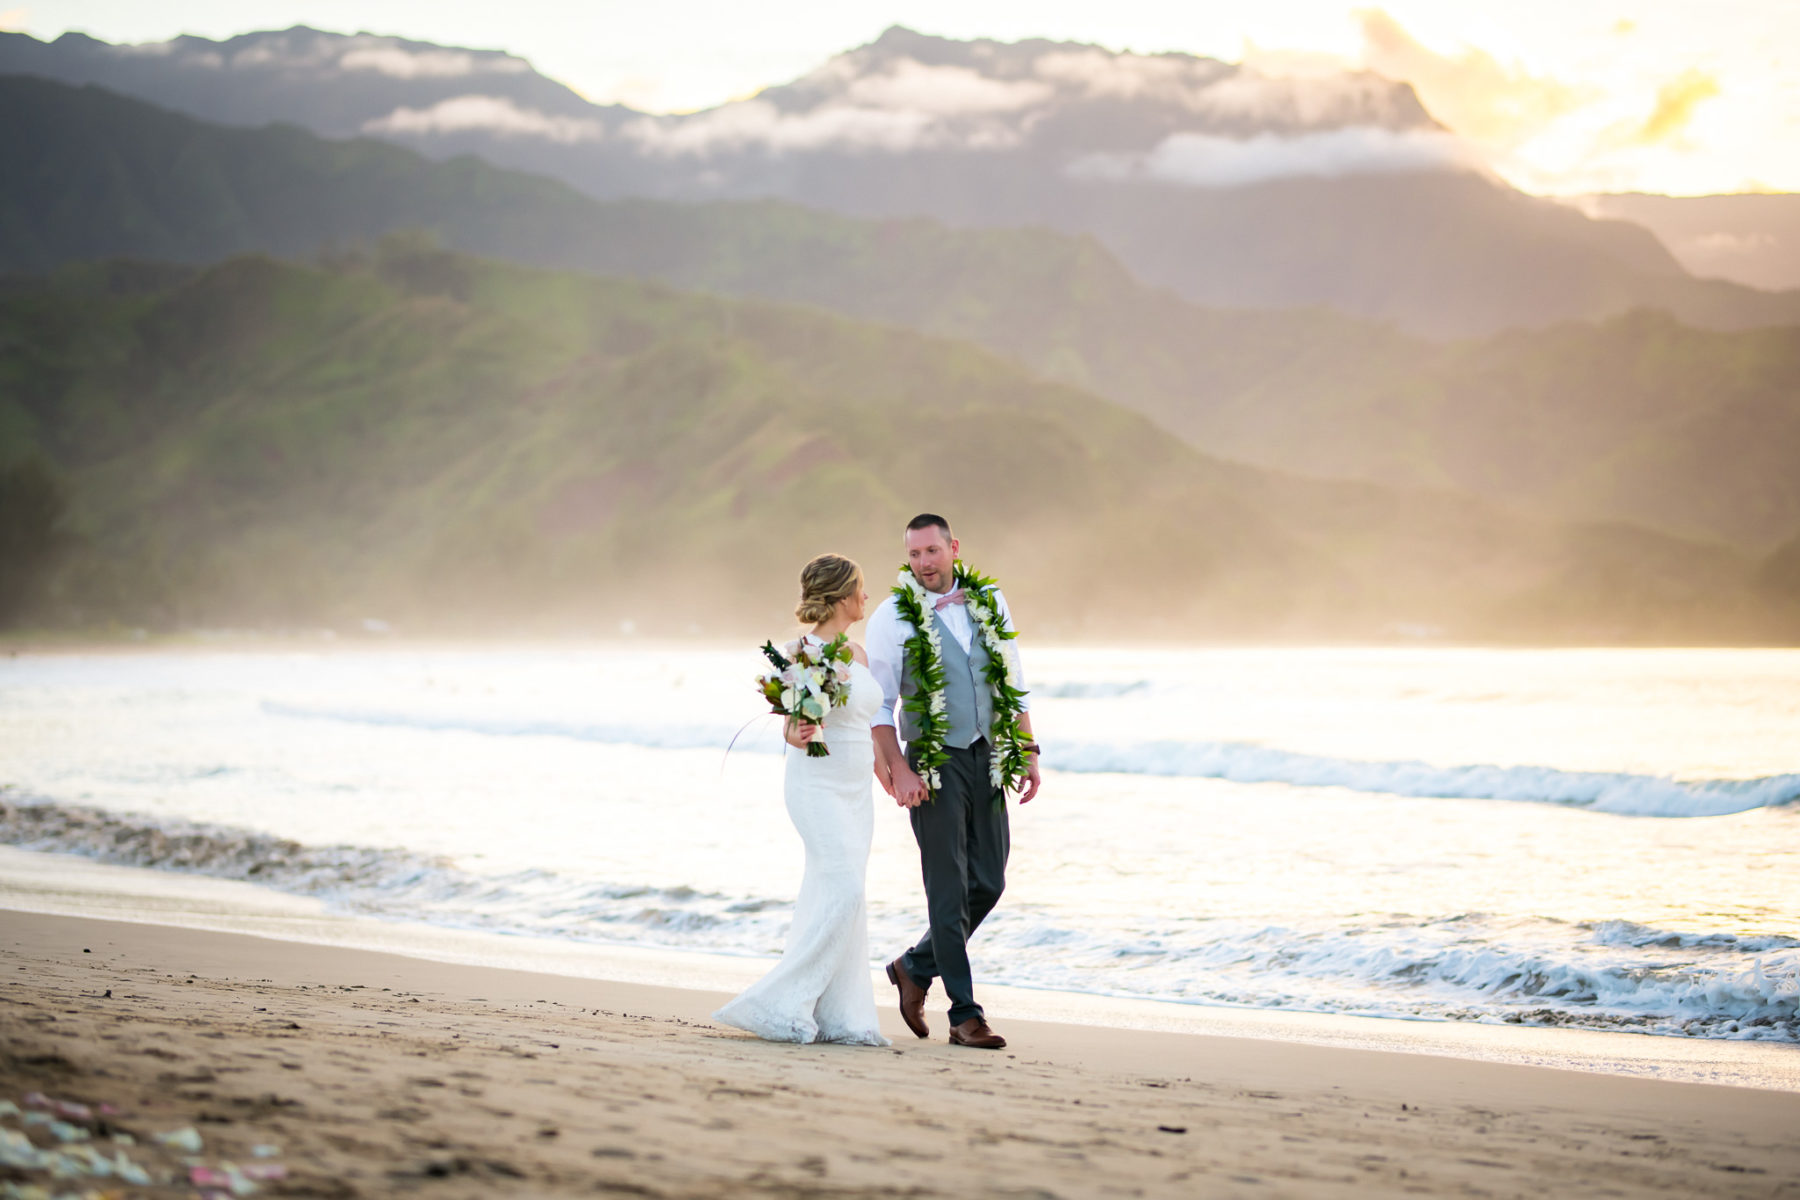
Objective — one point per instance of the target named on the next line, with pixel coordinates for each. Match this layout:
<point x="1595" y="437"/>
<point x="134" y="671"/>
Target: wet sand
<point x="368" y="1074"/>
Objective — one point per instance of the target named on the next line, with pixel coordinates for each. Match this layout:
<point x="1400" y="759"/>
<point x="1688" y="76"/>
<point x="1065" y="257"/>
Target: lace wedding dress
<point x="820" y="991"/>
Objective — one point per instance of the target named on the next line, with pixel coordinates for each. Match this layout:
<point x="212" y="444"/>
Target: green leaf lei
<point x="923" y="657"/>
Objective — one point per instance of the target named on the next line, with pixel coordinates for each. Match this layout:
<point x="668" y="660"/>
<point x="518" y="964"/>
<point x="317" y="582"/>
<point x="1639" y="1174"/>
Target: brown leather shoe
<point x="912" y="998"/>
<point x="975" y="1032"/>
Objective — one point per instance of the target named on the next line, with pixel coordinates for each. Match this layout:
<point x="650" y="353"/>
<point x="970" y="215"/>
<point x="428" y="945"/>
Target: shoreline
<point x="16" y="644"/>
<point x="374" y="1073"/>
<point x="71" y="887"/>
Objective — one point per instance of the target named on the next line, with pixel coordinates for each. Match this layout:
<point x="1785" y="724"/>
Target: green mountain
<point x="1637" y="419"/>
<point x="458" y="444"/>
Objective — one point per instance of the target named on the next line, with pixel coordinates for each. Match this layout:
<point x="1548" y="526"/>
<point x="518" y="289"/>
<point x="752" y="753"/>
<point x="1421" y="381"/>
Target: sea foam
<point x="1608" y="974"/>
<point x="1601" y="791"/>
<point x="1619" y="793"/>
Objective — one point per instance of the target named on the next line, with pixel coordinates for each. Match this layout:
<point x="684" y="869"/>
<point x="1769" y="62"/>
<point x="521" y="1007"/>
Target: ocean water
<point x="1598" y="839"/>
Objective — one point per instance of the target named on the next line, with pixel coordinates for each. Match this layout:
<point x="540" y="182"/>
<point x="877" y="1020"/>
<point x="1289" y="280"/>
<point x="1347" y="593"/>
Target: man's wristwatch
<point x="1030" y="747"/>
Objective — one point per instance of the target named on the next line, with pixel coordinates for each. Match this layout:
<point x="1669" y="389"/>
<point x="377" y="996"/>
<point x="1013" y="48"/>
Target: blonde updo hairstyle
<point x="824" y="581"/>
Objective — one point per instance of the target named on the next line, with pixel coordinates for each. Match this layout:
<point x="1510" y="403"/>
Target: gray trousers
<point x="963" y="839"/>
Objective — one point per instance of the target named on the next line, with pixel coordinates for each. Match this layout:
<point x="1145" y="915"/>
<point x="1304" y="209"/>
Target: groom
<point x="961" y="828"/>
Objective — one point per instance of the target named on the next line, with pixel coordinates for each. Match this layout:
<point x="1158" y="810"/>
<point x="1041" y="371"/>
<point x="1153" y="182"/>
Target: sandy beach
<point x="331" y="1072"/>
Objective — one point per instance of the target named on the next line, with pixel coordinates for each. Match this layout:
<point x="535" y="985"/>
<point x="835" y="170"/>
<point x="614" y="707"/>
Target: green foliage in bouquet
<point x="807" y="682"/>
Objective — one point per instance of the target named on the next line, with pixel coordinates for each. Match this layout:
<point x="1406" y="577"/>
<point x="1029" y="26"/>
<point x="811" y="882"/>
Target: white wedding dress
<point x="821" y="990"/>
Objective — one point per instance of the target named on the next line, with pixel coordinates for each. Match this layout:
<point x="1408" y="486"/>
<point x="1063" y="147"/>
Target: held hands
<point x="797" y="733"/>
<point x="908" y="789"/>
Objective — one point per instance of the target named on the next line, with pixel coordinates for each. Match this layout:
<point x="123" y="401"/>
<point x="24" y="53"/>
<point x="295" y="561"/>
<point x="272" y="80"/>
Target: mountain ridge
<point x="1752" y="238"/>
<point x="1226" y="185"/>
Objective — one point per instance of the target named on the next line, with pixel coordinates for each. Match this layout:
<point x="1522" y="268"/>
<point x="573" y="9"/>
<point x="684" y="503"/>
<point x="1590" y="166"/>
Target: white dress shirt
<point x="885" y="641"/>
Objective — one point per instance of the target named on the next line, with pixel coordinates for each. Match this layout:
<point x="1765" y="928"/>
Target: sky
<point x="1558" y="96"/>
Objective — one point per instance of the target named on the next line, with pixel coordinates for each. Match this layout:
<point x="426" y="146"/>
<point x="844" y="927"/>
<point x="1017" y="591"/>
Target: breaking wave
<point x="669" y="736"/>
<point x="378" y="882"/>
<point x="1601" y="791"/>
<point x="1620" y="793"/>
<point x="1614" y="975"/>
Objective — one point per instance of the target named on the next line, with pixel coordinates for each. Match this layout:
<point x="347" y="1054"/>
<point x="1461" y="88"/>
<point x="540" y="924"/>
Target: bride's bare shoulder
<point x="858" y="653"/>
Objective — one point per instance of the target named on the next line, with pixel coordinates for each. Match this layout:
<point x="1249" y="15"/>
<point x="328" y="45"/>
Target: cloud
<point x="188" y="52"/>
<point x="491" y="114"/>
<point x="908" y="106"/>
<point x="1675" y="104"/>
<point x="402" y="63"/>
<point x="1734" y="243"/>
<point x="1219" y="92"/>
<point x="14" y="20"/>
<point x="759" y="124"/>
<point x="1625" y="146"/>
<point x="257" y="54"/>
<point x="941" y="91"/>
<point x="1627" y="110"/>
<point x="903" y="104"/>
<point x="1347" y="98"/>
<point x="1205" y="160"/>
<point x="1471" y="92"/>
<point x="1101" y="73"/>
<point x="306" y="50"/>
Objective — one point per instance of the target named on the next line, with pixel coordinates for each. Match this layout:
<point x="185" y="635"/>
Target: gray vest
<point x="967" y="700"/>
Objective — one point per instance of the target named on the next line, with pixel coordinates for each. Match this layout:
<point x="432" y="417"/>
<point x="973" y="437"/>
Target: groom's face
<point x="932" y="555"/>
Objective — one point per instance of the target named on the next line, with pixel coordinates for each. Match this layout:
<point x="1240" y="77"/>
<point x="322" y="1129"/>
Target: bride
<point x="821" y="990"/>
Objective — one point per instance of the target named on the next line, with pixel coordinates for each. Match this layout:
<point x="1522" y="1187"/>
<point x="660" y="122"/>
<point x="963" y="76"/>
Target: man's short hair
<point x="926" y="521"/>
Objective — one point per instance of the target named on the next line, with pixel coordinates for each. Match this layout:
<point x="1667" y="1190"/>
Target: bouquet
<point x="807" y="682"/>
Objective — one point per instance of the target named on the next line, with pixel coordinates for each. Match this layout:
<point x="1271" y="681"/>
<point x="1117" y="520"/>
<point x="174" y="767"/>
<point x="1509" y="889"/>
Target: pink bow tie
<point x="948" y="598"/>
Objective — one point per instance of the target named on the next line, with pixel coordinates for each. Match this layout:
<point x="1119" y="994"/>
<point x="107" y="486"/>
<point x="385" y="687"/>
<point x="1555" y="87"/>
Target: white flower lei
<point x="924" y="653"/>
